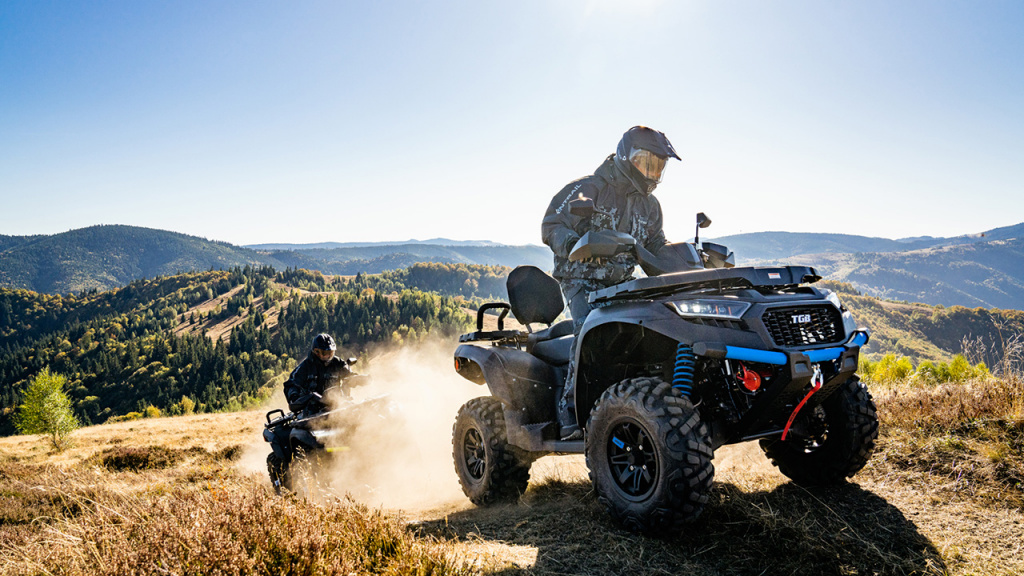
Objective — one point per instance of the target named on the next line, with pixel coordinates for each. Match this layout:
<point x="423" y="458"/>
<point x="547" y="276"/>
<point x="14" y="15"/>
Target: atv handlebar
<point x="679" y="257"/>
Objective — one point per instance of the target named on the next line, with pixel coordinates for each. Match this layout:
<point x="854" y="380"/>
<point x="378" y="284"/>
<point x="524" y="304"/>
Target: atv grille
<point x="805" y="325"/>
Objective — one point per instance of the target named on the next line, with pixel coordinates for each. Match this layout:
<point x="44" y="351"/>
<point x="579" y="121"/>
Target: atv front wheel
<point x="280" y="473"/>
<point x="840" y="439"/>
<point x="489" y="468"/>
<point x="649" y="456"/>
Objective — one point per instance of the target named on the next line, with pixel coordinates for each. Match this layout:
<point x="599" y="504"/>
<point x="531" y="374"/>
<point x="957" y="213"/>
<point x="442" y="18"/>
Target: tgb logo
<point x="800" y="318"/>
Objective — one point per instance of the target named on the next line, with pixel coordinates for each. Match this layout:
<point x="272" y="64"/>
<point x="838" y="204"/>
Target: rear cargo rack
<point x="499" y="334"/>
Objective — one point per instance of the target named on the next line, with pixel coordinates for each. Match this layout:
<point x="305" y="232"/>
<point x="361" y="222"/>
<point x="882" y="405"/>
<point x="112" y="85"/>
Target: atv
<point x="668" y="368"/>
<point x="302" y="441"/>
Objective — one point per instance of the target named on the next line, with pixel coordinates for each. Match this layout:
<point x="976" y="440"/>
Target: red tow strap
<point x="816" y="382"/>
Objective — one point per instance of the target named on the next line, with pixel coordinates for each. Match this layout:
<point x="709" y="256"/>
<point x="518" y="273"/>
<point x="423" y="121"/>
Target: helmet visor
<point x="648" y="163"/>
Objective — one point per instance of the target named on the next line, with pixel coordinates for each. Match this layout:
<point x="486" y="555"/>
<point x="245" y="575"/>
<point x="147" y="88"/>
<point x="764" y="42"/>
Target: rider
<point x="319" y="371"/>
<point x="622" y="187"/>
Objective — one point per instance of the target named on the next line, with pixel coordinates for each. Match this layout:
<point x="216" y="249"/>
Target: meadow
<point x="943" y="494"/>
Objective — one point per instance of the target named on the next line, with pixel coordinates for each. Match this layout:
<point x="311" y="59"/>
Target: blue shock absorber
<point x="682" y="377"/>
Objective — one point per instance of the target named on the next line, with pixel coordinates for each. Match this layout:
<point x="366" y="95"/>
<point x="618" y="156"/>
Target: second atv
<point x="305" y="439"/>
<point x="697" y="355"/>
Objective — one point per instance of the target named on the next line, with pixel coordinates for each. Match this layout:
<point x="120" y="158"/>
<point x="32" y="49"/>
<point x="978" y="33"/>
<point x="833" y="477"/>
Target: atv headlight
<point x="849" y="324"/>
<point x="709" y="308"/>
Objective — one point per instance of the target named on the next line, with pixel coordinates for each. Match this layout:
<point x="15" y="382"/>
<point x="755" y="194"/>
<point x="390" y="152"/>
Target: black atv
<point x="697" y="355"/>
<point x="309" y="437"/>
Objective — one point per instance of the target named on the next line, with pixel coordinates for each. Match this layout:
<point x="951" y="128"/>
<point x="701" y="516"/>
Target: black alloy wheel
<point x="632" y="459"/>
<point x="490" y="469"/>
<point x="474" y="453"/>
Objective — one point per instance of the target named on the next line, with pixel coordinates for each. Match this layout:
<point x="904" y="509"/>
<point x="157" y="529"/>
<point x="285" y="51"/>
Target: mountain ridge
<point x="984" y="269"/>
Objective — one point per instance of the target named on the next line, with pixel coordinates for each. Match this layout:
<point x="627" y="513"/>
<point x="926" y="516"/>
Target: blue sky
<point x="256" y="122"/>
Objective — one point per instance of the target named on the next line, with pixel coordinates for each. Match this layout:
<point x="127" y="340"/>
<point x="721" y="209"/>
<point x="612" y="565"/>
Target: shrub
<point x="125" y="417"/>
<point x="46" y="409"/>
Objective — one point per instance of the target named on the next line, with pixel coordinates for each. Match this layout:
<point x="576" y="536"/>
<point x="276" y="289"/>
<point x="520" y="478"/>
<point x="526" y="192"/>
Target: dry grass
<point x="201" y="518"/>
<point x="968" y="438"/>
<point x="756" y="523"/>
<point x="943" y="495"/>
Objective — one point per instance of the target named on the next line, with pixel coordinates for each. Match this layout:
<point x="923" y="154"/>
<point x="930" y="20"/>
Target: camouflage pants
<point x="576" y="292"/>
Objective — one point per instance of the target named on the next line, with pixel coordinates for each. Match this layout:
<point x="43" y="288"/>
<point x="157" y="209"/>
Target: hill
<point x="108" y="257"/>
<point x="934" y="333"/>
<point x="985" y="269"/>
<point x="374" y="259"/>
<point x="761" y="246"/>
<point x="988" y="274"/>
<point x="222" y="339"/>
<point x="774" y="246"/>
<point x="330" y="245"/>
<point x="105" y="257"/>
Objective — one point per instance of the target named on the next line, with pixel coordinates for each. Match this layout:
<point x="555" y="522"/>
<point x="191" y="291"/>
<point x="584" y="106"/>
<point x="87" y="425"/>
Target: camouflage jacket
<point x="631" y="211"/>
<point x="311" y="375"/>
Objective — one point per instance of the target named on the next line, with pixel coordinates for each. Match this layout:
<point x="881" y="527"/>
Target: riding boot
<point x="568" y="427"/>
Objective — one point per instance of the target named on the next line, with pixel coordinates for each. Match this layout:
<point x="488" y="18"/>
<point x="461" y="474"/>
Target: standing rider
<point x="622" y="187"/>
<point x="318" y="372"/>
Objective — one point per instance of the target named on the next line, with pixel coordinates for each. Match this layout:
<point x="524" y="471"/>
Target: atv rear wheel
<point x="489" y="468"/>
<point x="841" y="440"/>
<point x="280" y="473"/>
<point x="649" y="456"/>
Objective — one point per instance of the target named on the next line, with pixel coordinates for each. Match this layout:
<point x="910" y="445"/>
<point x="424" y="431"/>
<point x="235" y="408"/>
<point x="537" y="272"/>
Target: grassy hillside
<point x="936" y="333"/>
<point x="219" y="340"/>
<point x="943" y="494"/>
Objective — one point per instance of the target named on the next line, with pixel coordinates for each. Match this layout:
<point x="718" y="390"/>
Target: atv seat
<point x="536" y="297"/>
<point x="533" y="295"/>
<point x="555" y="351"/>
<point x="552" y="344"/>
<point x="563" y="328"/>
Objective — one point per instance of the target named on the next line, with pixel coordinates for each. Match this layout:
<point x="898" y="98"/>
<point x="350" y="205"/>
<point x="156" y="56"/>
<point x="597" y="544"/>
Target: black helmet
<point x="641" y="156"/>
<point x="324" y="342"/>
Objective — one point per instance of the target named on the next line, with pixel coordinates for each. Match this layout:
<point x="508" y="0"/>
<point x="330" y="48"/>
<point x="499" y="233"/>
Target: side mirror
<point x="702" y="222"/>
<point x="582" y="206"/>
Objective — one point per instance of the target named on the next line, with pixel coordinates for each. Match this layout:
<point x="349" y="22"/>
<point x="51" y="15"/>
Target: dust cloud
<point x="392" y="446"/>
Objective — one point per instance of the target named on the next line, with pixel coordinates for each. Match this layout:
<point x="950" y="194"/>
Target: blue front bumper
<point x="858" y="339"/>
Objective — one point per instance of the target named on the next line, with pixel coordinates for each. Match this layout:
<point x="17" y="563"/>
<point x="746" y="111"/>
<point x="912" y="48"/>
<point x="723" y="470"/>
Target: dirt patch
<point x="138" y="458"/>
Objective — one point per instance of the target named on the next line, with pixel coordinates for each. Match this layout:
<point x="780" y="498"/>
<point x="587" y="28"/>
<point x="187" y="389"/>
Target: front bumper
<point x="713" y="350"/>
<point x="765" y="417"/>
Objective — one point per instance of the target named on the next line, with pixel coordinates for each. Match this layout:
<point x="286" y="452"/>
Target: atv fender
<point x="278" y="443"/>
<point x="299" y="438"/>
<point x="522" y="382"/>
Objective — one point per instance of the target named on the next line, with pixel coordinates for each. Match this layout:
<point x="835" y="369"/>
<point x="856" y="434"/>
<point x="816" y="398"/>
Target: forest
<point x="145" y="348"/>
<point x="221" y="340"/>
